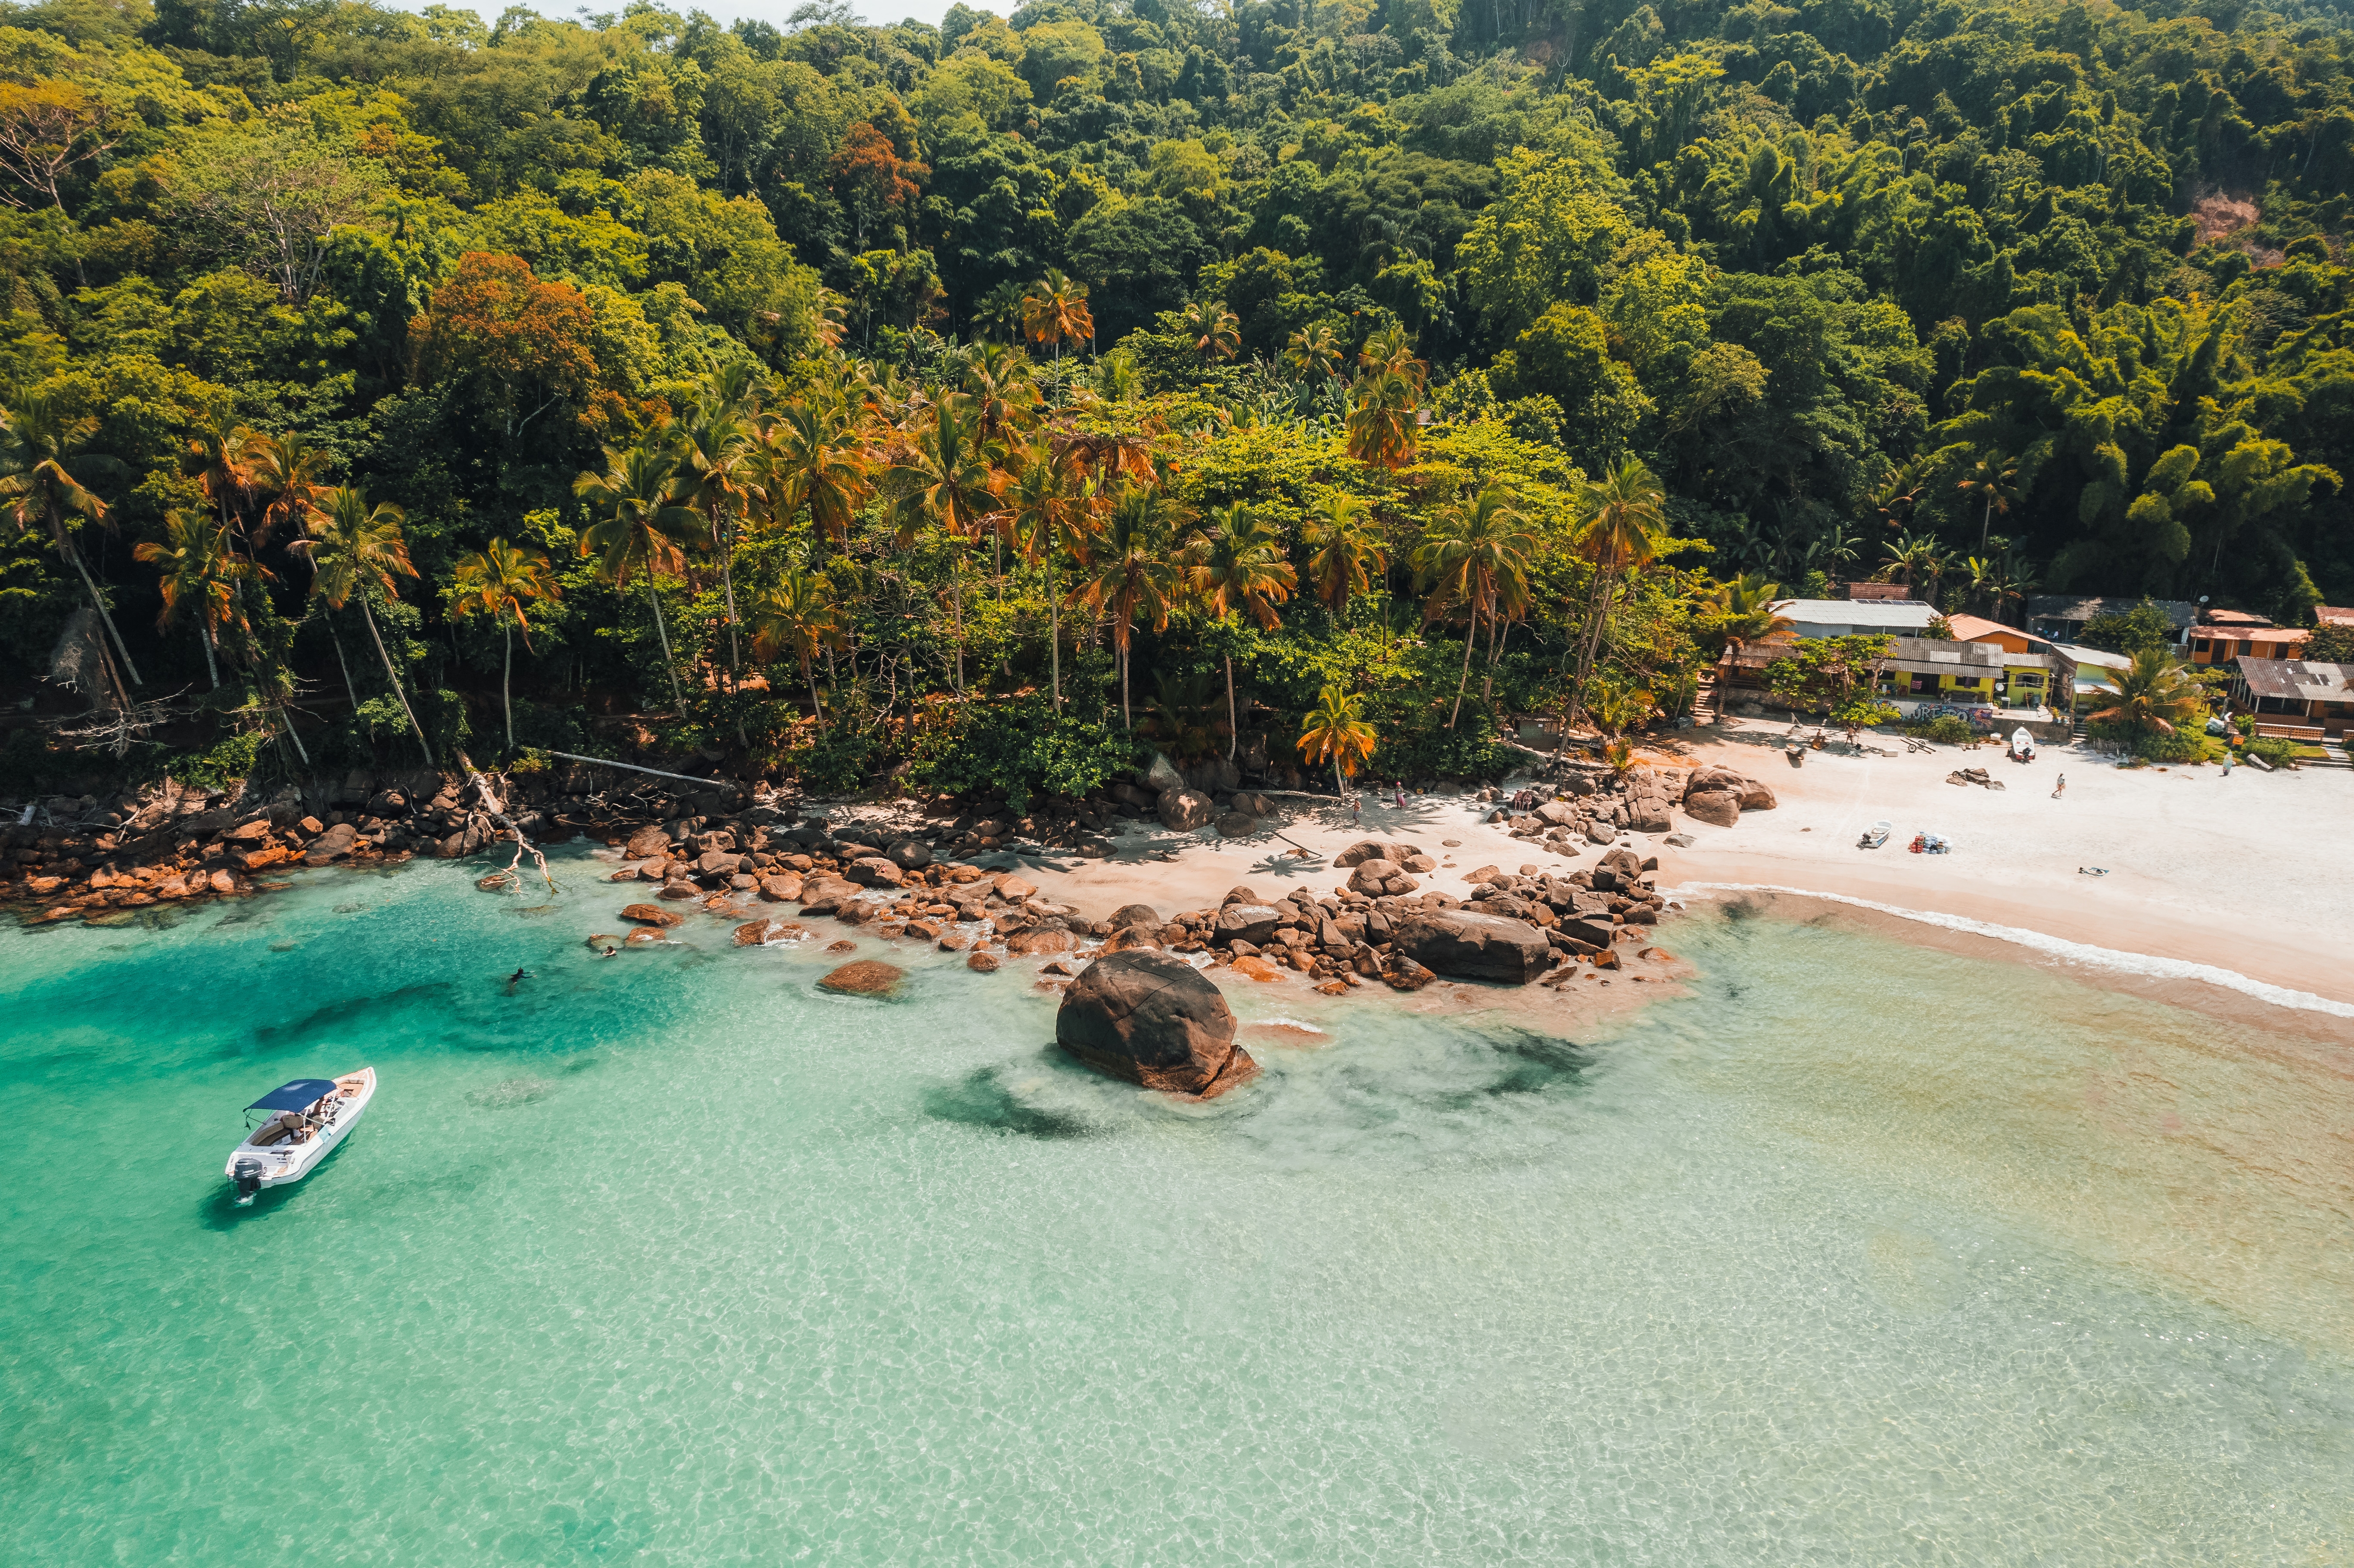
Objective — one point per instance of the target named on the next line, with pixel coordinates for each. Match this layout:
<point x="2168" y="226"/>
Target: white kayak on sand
<point x="308" y="1118"/>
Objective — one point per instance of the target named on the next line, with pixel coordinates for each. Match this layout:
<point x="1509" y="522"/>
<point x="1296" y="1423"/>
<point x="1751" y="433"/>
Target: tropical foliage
<point x="815" y="391"/>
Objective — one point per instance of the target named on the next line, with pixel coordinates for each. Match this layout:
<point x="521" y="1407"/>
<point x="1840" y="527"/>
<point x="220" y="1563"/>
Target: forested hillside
<point x="1129" y="364"/>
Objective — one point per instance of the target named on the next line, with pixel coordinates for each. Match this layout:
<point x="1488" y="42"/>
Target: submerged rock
<point x="866" y="977"/>
<point x="1152" y="1019"/>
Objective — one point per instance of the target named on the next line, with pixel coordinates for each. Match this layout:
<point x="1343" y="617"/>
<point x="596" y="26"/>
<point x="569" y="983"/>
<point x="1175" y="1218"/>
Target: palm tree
<point x="1237" y="563"/>
<point x="1003" y="392"/>
<point x="1345" y="550"/>
<point x="945" y="476"/>
<point x="293" y="474"/>
<point x="1050" y="510"/>
<point x="1381" y="423"/>
<point x="1055" y="311"/>
<point x="1476" y="557"/>
<point x="810" y="456"/>
<point x="200" y="570"/>
<point x="999" y="313"/>
<point x="1215" y="331"/>
<point x="717" y="459"/>
<point x="37" y="438"/>
<point x="2152" y="693"/>
<point x="1992" y="482"/>
<point x="799" y="616"/>
<point x="1131" y="572"/>
<point x="501" y="581"/>
<point x="354" y="546"/>
<point x="1314" y="353"/>
<point x="1908" y="554"/>
<point x="1742" y="612"/>
<point x="640" y="530"/>
<point x="1336" y="729"/>
<point x="1625" y="510"/>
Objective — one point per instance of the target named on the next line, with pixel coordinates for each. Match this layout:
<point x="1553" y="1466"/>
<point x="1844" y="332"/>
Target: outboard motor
<point x="248" y="1180"/>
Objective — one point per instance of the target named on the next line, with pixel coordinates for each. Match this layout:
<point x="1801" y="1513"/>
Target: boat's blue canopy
<point x="294" y="1096"/>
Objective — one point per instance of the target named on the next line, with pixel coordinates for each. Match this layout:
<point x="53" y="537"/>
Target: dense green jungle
<point x="1323" y="384"/>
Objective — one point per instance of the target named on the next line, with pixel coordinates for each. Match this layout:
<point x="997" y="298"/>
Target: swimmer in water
<point x="610" y="953"/>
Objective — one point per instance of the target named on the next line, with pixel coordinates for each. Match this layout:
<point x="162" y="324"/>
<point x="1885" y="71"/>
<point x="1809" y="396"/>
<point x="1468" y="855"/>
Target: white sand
<point x="2252" y="874"/>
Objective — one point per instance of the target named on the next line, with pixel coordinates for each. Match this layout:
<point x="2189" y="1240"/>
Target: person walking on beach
<point x="2062" y="789"/>
<point x="2227" y="764"/>
<point x="1356" y="809"/>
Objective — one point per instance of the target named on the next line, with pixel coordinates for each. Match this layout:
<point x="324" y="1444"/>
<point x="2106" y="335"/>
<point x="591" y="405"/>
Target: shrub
<point x="2280" y="753"/>
<point x="830" y="759"/>
<point x="1020" y="742"/>
<point x="1949" y="729"/>
<point x="2186" y="744"/>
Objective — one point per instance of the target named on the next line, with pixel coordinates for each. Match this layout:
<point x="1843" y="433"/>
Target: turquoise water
<point x="673" y="1259"/>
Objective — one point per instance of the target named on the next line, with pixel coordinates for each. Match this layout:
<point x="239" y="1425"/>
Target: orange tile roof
<point x="1971" y="628"/>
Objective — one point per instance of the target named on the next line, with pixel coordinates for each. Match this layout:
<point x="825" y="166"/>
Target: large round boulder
<point x="1152" y="1019"/>
<point x="1464" y="945"/>
<point x="1128" y="915"/>
<point x="1719" y="808"/>
<point x="1182" y="811"/>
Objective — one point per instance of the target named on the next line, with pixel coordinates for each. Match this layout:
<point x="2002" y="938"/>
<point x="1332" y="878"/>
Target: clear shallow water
<point x="672" y="1259"/>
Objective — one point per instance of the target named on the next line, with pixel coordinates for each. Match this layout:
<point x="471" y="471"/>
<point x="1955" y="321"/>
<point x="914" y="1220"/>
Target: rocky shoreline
<point x="895" y="871"/>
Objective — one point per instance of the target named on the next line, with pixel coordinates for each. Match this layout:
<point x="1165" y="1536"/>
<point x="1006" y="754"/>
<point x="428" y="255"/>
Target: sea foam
<point x="2058" y="947"/>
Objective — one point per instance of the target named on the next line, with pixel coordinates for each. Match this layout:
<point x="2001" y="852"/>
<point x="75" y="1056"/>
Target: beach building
<point x="1981" y="673"/>
<point x="2229" y="634"/>
<point x="2332" y="614"/>
<point x="2094" y="666"/>
<point x="1855" y="617"/>
<point x="2303" y="700"/>
<point x="2063" y="617"/>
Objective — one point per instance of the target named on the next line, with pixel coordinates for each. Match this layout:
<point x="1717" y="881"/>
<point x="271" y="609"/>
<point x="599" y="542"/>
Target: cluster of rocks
<point x="1597" y="807"/>
<point x="90" y="859"/>
<point x="1380" y="925"/>
<point x="93" y="858"/>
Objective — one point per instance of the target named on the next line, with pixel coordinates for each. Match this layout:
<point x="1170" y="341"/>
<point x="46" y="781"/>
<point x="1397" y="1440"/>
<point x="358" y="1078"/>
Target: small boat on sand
<point x="308" y="1118"/>
<point x="1874" y="836"/>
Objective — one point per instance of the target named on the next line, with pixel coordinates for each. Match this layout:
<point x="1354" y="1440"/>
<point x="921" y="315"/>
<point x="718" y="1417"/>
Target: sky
<point x="774" y="11"/>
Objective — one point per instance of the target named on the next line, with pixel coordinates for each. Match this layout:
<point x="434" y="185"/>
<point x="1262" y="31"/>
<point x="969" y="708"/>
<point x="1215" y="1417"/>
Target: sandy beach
<point x="2254" y="873"/>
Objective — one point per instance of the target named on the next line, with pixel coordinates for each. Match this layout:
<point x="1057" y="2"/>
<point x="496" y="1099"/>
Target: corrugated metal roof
<point x="2179" y="612"/>
<point x="2295" y="680"/>
<point x="1868" y="614"/>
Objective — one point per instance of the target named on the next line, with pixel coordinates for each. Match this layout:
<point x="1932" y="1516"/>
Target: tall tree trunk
<point x="1470" y="635"/>
<point x="336" y="637"/>
<point x="1592" y="645"/>
<point x="670" y="665"/>
<point x="1234" y="724"/>
<point x="99" y="604"/>
<point x="506" y="685"/>
<point x="390" y="674"/>
<point x="1055" y="631"/>
<point x="205" y="635"/>
<point x="1126" y="720"/>
<point x="809" y="673"/>
<point x="956" y="590"/>
<point x="727" y="580"/>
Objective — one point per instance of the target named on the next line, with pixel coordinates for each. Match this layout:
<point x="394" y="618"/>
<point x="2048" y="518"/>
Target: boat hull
<point x="255" y="1167"/>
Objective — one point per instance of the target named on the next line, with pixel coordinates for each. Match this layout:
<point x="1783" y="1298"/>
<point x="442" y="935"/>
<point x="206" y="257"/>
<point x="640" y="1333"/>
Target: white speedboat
<point x="307" y="1117"/>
